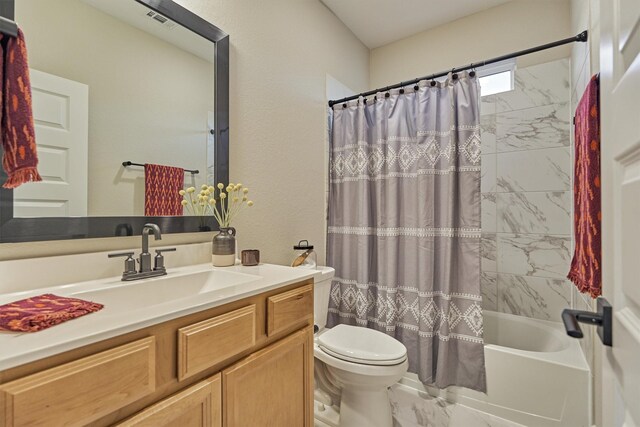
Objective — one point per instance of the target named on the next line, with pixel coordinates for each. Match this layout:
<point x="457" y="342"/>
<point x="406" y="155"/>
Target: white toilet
<point x="361" y="362"/>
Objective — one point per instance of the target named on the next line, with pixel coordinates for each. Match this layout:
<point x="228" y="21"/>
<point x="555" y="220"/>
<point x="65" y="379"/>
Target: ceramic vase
<point x="223" y="247"/>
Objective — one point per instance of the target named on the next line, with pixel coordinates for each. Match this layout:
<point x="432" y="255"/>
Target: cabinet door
<point x="80" y="392"/>
<point x="272" y="387"/>
<point x="198" y="406"/>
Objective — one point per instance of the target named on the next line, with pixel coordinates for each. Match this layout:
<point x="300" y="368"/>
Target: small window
<point x="497" y="78"/>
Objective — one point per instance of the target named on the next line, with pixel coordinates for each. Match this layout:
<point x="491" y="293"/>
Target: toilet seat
<point x="362" y="345"/>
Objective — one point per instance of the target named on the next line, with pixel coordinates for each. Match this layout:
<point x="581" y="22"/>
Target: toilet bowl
<point x="363" y="363"/>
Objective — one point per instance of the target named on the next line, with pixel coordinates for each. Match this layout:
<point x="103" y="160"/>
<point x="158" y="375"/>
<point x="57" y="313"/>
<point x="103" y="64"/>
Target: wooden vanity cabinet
<point x="218" y="367"/>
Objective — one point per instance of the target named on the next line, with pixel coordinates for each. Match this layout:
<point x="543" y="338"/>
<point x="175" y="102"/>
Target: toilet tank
<point x="321" y="290"/>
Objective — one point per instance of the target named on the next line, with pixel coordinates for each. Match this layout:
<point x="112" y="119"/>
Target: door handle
<point x="602" y="319"/>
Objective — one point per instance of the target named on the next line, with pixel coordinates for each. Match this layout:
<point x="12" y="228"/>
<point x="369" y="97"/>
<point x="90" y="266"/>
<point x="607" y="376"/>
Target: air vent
<point x="162" y="20"/>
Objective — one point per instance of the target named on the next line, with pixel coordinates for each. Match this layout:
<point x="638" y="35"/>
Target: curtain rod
<point x="582" y="37"/>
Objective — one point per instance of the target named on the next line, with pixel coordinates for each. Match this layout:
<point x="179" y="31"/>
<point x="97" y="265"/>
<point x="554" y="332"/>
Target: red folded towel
<point x="20" y="159"/>
<point x="43" y="311"/>
<point x="161" y="187"/>
<point x="586" y="266"/>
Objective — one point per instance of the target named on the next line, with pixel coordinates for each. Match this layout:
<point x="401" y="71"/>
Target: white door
<point x="61" y="114"/>
<point x="620" y="97"/>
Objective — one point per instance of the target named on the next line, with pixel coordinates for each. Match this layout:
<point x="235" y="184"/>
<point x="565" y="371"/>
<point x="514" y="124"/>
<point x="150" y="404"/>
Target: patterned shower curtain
<point x="404" y="225"/>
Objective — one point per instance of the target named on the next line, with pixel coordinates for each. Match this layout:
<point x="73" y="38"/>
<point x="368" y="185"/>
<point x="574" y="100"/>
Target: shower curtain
<point x="404" y="225"/>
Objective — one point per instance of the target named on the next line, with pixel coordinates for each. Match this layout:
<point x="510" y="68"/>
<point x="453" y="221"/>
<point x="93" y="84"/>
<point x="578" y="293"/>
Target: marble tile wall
<point x="526" y="194"/>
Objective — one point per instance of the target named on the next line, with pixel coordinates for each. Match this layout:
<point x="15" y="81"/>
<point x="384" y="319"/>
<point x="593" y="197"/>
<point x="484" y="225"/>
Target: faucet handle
<point x="159" y="251"/>
<point x="129" y="262"/>
<point x="158" y="261"/>
<point x="117" y="254"/>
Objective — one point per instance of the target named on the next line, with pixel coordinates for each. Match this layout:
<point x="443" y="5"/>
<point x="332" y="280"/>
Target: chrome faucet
<point x="145" y="256"/>
<point x="144" y="260"/>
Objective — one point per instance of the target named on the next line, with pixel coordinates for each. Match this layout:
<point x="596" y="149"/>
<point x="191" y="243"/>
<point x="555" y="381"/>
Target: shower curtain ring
<point x="472" y="73"/>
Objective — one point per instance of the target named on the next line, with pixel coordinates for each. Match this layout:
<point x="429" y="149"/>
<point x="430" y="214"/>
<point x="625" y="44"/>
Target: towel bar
<point x="130" y="163"/>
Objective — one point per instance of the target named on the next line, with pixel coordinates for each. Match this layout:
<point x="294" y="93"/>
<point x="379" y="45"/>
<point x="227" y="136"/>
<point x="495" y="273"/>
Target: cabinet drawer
<point x="199" y="406"/>
<point x="82" y="391"/>
<point x="289" y="308"/>
<point x="206" y="343"/>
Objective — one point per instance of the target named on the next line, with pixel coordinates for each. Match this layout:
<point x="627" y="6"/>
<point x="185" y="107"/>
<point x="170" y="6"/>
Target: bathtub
<point x="536" y="374"/>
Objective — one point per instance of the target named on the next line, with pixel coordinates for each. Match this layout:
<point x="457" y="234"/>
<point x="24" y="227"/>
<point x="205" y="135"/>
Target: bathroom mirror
<point x="116" y="84"/>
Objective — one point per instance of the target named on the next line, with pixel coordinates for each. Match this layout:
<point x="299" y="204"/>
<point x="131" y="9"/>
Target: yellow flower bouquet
<point x="223" y="205"/>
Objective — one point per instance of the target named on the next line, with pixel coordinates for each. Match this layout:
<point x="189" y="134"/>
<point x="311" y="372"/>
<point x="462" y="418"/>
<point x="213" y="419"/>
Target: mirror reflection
<point x="114" y="82"/>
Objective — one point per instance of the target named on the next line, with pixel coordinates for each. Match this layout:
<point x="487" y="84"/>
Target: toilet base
<point x="369" y="408"/>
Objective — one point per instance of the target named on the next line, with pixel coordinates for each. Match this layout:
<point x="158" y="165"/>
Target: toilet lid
<point x="362" y="345"/>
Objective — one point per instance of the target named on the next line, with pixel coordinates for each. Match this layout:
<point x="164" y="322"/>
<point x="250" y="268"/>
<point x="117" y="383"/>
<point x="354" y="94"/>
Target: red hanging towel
<point x="20" y="159"/>
<point x="586" y="266"/>
<point x="161" y="187"/>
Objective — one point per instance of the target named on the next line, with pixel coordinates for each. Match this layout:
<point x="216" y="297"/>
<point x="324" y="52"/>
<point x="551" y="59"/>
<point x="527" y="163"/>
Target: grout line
<point x="555" y="235"/>
<point x="534" y="191"/>
<point x="535" y="149"/>
<point x="563" y="280"/>
<point x="523" y="109"/>
<point x="529" y="149"/>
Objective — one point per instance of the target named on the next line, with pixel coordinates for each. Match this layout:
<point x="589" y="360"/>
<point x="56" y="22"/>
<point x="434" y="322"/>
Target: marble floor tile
<point x="488" y="173"/>
<point x="541" y="84"/>
<point x="488" y="207"/>
<point x="534" y="212"/>
<point x="539" y="127"/>
<point x="535" y="170"/>
<point x="489" y="290"/>
<point x="463" y="416"/>
<point x="412" y="408"/>
<point x="533" y="255"/>
<point x="488" y="133"/>
<point x="536" y="297"/>
<point x="488" y="252"/>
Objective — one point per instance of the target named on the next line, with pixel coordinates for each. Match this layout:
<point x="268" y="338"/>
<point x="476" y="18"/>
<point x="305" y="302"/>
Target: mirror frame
<point x="14" y="230"/>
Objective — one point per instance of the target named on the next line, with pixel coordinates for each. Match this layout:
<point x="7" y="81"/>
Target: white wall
<point x="497" y="31"/>
<point x="281" y="52"/>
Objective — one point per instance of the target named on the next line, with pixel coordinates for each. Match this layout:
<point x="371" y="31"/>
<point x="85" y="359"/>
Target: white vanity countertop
<point x="117" y="319"/>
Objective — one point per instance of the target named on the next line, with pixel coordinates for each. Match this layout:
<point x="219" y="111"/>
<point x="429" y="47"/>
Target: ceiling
<point x="379" y="22"/>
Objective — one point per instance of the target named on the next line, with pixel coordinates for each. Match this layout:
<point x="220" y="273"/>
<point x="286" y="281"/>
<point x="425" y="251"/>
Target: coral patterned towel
<point x="43" y="311"/>
<point x="161" y="187"/>
<point x="20" y="159"/>
<point x="586" y="265"/>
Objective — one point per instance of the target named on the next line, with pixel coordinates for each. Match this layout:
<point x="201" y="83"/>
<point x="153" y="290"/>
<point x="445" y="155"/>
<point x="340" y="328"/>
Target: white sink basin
<point x="159" y="290"/>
